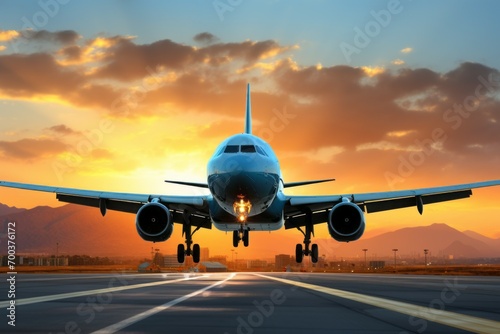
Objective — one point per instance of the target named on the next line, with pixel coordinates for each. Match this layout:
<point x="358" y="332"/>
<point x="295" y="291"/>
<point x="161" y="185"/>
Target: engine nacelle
<point x="346" y="222"/>
<point x="154" y="222"/>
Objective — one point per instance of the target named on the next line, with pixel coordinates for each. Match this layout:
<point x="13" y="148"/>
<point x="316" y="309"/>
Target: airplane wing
<point x="298" y="206"/>
<point x="127" y="202"/>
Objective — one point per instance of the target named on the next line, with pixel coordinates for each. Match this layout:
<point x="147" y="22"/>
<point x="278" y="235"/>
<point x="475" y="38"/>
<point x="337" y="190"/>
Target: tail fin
<point x="248" y="119"/>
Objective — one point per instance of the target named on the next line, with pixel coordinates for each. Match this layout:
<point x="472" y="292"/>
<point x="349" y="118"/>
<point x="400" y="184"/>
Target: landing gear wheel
<point x="299" y="254"/>
<point x="196" y="253"/>
<point x="236" y="238"/>
<point x="180" y="253"/>
<point x="246" y="238"/>
<point x="314" y="253"/>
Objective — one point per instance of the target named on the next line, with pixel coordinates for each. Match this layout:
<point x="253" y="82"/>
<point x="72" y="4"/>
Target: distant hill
<point x="495" y="243"/>
<point x="77" y="230"/>
<point x="7" y="210"/>
<point x="440" y="239"/>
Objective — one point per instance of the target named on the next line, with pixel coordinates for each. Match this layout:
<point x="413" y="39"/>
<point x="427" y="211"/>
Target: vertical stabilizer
<point x="248" y="117"/>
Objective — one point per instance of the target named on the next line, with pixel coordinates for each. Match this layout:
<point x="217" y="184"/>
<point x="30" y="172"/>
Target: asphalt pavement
<point x="251" y="303"/>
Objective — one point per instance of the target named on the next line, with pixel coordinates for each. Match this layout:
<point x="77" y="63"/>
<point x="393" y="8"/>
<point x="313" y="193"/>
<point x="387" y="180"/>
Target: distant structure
<point x="170" y="261"/>
<point x="256" y="264"/>
<point x="148" y="267"/>
<point x="377" y="264"/>
<point x="282" y="261"/>
<point x="211" y="267"/>
<point x="219" y="258"/>
<point x="204" y="254"/>
<point x="40" y="260"/>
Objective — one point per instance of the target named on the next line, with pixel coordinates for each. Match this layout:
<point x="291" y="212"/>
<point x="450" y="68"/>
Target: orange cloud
<point x="336" y="116"/>
<point x="372" y="71"/>
<point x="29" y="149"/>
<point x="8" y="35"/>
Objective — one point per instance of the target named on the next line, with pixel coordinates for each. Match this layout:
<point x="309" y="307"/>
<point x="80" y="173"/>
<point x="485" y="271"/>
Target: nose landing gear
<point x="243" y="234"/>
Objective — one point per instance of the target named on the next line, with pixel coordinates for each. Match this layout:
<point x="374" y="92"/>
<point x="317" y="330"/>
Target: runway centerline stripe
<point x="41" y="299"/>
<point x="452" y="319"/>
<point x="141" y="316"/>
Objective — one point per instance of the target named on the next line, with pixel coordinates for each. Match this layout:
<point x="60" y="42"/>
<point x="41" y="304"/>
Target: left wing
<point x="297" y="206"/>
<point x="127" y="202"/>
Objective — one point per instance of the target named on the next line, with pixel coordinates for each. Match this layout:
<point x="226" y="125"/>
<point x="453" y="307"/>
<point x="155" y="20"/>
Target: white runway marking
<point x="452" y="319"/>
<point x="41" y="299"/>
<point x="141" y="316"/>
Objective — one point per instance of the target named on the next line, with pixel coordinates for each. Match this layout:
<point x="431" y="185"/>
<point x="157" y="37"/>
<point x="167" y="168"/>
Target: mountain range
<point x="441" y="240"/>
<point x="73" y="229"/>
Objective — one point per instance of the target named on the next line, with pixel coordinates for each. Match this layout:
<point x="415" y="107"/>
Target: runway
<point x="253" y="303"/>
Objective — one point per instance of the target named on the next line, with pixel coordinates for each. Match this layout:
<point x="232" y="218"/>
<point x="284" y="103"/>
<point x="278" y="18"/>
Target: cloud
<point x="205" y="38"/>
<point x="398" y="62"/>
<point x="407" y="50"/>
<point x="101" y="154"/>
<point x="62" y="129"/>
<point x="360" y="116"/>
<point x="8" y="35"/>
<point x="372" y="71"/>
<point x="34" y="74"/>
<point x="30" y="148"/>
<point x="63" y="37"/>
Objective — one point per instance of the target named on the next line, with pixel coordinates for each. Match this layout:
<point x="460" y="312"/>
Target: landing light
<point x="242" y="208"/>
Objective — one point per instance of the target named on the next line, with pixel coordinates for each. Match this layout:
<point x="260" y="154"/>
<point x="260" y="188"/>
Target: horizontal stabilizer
<point x="192" y="184"/>
<point x="304" y="183"/>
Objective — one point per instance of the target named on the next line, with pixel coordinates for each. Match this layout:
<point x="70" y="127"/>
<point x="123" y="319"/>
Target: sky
<point x="381" y="95"/>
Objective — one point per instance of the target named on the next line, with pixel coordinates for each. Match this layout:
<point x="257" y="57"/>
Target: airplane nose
<point x="257" y="187"/>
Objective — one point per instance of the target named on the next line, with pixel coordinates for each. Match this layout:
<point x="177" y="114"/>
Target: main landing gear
<point x="314" y="250"/>
<point x="182" y="251"/>
<point x="241" y="234"/>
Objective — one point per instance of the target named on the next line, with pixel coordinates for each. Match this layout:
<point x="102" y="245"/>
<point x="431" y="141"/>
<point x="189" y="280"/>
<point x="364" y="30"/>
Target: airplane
<point x="246" y="193"/>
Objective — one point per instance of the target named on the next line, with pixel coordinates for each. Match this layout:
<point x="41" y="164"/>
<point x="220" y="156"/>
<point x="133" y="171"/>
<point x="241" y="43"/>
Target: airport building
<point x="211" y="267"/>
<point x="170" y="261"/>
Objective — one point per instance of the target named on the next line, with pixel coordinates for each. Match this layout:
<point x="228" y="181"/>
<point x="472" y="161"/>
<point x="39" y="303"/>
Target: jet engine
<point x="346" y="222"/>
<point x="154" y="222"/>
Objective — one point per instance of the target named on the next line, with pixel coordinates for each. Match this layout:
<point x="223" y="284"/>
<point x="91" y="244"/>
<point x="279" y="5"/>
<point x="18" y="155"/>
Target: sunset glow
<point x="123" y="95"/>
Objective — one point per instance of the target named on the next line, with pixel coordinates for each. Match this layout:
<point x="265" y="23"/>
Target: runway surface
<point x="252" y="303"/>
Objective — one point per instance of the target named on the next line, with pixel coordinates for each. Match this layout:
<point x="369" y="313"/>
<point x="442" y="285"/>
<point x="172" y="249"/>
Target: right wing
<point x="319" y="206"/>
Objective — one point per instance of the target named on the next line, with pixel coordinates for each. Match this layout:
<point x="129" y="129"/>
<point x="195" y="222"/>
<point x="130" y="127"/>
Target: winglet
<point x="248" y="117"/>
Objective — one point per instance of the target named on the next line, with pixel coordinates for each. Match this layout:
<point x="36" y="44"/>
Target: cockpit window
<point x="260" y="151"/>
<point x="232" y="149"/>
<point x="248" y="149"/>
